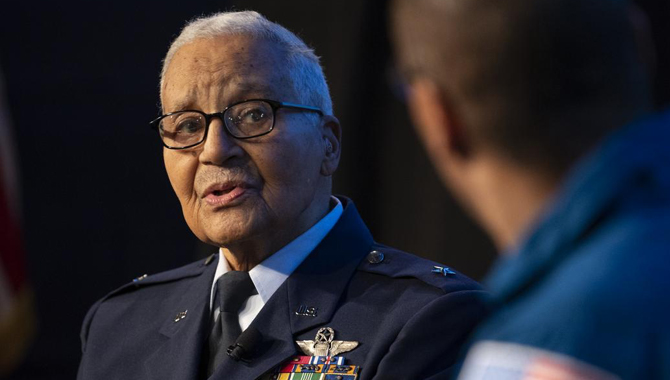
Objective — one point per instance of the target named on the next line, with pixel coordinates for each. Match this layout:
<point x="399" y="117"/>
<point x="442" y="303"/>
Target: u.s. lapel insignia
<point x="324" y="344"/>
<point x="306" y="311"/>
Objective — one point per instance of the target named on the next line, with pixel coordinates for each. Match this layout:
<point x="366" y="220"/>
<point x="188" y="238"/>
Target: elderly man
<point x="537" y="115"/>
<point x="299" y="285"/>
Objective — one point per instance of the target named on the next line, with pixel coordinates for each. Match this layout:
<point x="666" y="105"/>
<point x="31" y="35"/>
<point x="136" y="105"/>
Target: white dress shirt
<point x="273" y="271"/>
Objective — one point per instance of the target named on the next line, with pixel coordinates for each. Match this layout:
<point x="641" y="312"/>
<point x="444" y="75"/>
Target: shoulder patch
<point x="394" y="263"/>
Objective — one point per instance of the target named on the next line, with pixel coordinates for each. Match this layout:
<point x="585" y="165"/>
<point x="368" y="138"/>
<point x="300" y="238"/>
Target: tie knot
<point x="234" y="288"/>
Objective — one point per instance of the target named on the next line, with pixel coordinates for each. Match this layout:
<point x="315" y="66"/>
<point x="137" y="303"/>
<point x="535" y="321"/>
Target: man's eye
<point x="251" y="116"/>
<point x="189" y="126"/>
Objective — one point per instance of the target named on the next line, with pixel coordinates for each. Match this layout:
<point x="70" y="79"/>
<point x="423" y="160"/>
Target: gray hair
<point x="303" y="65"/>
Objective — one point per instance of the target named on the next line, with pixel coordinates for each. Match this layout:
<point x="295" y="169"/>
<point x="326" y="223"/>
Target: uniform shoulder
<point x="143" y="281"/>
<point x="186" y="271"/>
<point x="395" y="263"/>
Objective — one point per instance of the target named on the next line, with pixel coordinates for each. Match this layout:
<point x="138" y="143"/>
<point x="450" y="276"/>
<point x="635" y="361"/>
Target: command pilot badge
<point x="325" y="345"/>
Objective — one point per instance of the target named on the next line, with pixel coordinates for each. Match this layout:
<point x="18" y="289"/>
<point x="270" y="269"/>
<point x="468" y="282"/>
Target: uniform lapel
<point x="184" y="330"/>
<point x="317" y="283"/>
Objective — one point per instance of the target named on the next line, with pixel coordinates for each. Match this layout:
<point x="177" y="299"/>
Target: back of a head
<point x="540" y="81"/>
<point x="302" y="64"/>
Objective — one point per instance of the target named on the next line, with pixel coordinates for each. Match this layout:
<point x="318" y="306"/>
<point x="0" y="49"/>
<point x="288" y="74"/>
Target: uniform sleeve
<point x="429" y="344"/>
<point x="86" y="325"/>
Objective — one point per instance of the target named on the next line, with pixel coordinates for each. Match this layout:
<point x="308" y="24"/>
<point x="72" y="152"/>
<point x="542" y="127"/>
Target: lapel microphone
<point x="245" y="345"/>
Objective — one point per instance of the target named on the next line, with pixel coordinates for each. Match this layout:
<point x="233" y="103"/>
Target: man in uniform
<point x="299" y="285"/>
<point x="537" y="114"/>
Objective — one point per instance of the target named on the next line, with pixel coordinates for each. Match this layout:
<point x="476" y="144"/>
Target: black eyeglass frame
<point x="275" y="105"/>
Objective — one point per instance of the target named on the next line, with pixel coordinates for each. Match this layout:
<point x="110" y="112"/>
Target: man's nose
<point x="219" y="145"/>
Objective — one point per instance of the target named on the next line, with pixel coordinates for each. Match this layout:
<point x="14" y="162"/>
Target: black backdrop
<point x="82" y="82"/>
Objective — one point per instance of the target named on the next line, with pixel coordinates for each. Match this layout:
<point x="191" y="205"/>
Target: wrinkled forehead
<point x="227" y="68"/>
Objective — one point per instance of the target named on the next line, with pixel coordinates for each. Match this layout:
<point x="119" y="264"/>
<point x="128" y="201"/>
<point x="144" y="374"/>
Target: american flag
<point x="490" y="360"/>
<point x="17" y="318"/>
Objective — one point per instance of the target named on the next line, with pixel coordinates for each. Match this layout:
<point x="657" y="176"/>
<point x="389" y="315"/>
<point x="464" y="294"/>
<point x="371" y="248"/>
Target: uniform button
<point x="375" y="257"/>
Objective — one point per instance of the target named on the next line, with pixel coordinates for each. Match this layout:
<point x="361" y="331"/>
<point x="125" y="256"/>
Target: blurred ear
<point x="643" y="38"/>
<point x="436" y="123"/>
<point x="332" y="144"/>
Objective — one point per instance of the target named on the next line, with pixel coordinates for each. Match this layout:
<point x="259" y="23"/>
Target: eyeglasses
<point x="243" y="120"/>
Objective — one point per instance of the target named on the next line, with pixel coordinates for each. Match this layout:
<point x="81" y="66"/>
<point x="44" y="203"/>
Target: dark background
<point x="82" y="83"/>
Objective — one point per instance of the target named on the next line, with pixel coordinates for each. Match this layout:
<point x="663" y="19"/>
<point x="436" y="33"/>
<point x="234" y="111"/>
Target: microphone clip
<point x="238" y="353"/>
<point x="245" y="345"/>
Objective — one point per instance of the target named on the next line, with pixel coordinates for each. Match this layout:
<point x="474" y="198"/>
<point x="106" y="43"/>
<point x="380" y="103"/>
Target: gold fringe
<point x="17" y="330"/>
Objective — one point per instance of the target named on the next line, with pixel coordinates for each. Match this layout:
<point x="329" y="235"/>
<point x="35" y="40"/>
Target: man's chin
<point x="229" y="235"/>
<point x="227" y="240"/>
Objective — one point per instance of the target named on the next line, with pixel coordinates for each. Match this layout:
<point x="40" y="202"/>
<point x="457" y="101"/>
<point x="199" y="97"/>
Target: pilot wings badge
<point x="325" y="345"/>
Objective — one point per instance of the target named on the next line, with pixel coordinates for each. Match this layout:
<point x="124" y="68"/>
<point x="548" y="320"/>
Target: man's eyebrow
<point x="239" y="91"/>
<point x="181" y="105"/>
<point x="184" y="101"/>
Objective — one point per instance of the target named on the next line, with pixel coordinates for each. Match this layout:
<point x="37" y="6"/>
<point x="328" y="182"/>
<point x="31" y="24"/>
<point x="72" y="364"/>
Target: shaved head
<point x="540" y="81"/>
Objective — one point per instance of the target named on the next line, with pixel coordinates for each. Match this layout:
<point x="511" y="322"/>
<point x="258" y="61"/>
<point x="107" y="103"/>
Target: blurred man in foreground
<point x="537" y="115"/>
<point x="299" y="285"/>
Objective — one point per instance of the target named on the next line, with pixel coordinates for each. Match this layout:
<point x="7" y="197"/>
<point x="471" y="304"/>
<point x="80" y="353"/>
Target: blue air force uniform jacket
<point x="409" y="321"/>
<point x="592" y="281"/>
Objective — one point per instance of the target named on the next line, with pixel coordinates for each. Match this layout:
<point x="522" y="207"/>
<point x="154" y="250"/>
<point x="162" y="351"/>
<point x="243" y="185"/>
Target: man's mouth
<point x="224" y="194"/>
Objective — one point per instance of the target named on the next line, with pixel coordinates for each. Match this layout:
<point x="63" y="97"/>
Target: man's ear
<point x="436" y="122"/>
<point x="643" y="39"/>
<point x="332" y="144"/>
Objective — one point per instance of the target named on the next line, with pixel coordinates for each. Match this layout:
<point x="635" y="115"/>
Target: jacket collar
<point x="593" y="189"/>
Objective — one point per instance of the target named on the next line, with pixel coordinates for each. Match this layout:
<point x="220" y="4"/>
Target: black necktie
<point x="232" y="290"/>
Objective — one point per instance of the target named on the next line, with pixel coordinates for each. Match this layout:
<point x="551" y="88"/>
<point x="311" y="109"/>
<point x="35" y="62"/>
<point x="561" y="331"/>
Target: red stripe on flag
<point x="11" y="248"/>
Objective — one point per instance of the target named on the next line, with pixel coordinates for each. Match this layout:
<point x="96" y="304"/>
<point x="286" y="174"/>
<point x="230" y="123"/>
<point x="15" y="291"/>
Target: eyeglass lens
<point x="243" y="120"/>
